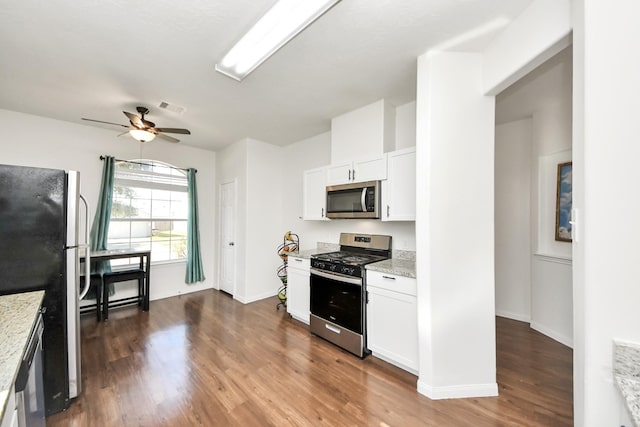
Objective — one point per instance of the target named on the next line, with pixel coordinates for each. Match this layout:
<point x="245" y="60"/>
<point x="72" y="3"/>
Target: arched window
<point x="150" y="209"/>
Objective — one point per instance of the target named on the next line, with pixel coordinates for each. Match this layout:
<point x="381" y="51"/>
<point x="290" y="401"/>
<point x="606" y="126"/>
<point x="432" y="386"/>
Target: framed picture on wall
<point x="563" y="203"/>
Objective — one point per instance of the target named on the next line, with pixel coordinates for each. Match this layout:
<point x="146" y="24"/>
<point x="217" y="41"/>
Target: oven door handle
<point x="337" y="277"/>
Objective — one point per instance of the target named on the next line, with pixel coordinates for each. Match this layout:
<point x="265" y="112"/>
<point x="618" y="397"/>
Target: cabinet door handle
<point x="387" y="211"/>
<point x="389" y="277"/>
<point x="322" y="212"/>
<point x="349" y="174"/>
<point x="353" y="174"/>
<point x="297" y="259"/>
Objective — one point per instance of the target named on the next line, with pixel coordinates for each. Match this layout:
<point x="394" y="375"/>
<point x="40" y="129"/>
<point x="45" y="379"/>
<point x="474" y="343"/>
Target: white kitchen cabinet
<point x="314" y="194"/>
<point x="357" y="171"/>
<point x="399" y="190"/>
<point x="392" y="319"/>
<point x="365" y="133"/>
<point x="298" y="289"/>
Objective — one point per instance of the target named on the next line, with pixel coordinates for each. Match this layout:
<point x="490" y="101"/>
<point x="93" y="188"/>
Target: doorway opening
<point x="533" y="270"/>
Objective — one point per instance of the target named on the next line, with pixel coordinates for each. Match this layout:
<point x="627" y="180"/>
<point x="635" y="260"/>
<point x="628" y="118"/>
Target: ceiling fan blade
<point x="174" y="130"/>
<point x="167" y="137"/>
<point x="135" y="120"/>
<point x="108" y="123"/>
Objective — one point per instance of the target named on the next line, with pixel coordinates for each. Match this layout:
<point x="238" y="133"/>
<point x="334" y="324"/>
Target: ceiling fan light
<point x="142" y="135"/>
<point x="280" y="24"/>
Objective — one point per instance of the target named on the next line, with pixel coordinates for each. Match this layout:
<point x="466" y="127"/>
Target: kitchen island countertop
<point x="626" y="372"/>
<point x="18" y="313"/>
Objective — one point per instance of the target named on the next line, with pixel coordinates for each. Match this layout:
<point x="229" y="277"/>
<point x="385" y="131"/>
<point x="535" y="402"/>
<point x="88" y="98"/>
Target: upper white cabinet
<point x="314" y="194"/>
<point x="399" y="190"/>
<point x="365" y="133"/>
<point x="362" y="141"/>
<point x="359" y="140"/>
<point x="357" y="171"/>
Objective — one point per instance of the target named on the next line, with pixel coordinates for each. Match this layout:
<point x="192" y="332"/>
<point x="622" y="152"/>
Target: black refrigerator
<point x="39" y="250"/>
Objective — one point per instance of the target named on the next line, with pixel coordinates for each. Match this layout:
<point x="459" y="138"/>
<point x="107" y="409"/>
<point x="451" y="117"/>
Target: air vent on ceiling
<point x="172" y="107"/>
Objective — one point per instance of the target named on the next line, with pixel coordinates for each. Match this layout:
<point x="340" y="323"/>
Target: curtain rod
<point x="147" y="164"/>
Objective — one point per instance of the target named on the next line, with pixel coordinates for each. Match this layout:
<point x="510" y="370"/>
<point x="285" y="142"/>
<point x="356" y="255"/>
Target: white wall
<point x="606" y="157"/>
<point x="513" y="219"/>
<point x="543" y="97"/>
<point x="455" y="225"/>
<point x="257" y="168"/>
<point x="541" y="31"/>
<point x="35" y="141"/>
<point x="265" y="168"/>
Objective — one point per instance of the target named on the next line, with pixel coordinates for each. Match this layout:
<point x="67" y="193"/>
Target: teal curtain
<point x="195" y="272"/>
<point x="100" y="226"/>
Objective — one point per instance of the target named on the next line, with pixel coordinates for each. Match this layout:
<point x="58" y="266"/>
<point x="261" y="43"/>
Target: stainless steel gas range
<point x="338" y="290"/>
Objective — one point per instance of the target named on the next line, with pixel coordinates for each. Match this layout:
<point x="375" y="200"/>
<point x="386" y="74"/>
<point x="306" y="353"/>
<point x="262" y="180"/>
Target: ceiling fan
<point x="143" y="130"/>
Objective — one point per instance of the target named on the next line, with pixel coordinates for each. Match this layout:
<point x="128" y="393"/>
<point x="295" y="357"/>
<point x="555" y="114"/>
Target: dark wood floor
<point x="205" y="359"/>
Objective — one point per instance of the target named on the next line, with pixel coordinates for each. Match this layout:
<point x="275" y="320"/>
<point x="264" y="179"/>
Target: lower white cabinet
<point x="392" y="319"/>
<point x="10" y="417"/>
<point x="298" y="289"/>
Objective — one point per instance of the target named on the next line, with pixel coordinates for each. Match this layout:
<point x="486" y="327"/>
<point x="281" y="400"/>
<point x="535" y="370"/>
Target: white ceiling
<point x="67" y="59"/>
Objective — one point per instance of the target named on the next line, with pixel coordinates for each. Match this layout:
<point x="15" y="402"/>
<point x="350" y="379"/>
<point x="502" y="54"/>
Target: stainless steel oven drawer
<point x="348" y="340"/>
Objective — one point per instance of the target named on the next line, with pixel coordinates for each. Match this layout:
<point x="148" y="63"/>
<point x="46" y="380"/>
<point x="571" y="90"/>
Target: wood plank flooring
<point x="205" y="359"/>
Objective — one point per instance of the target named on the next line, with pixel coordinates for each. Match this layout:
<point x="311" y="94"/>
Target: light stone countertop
<point x="397" y="266"/>
<point x="321" y="249"/>
<point x="626" y="372"/>
<point x="17" y="315"/>
<point x="403" y="263"/>
<point x="305" y="253"/>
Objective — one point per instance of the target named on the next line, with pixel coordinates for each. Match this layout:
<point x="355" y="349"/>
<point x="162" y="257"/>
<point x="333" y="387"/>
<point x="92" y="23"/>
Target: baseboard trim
<point x="557" y="259"/>
<point x="255" y="298"/>
<point x="552" y="334"/>
<point x="513" y="316"/>
<point x="458" y="391"/>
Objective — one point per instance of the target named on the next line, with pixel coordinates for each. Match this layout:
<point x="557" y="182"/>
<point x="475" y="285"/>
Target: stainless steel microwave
<point x="358" y="200"/>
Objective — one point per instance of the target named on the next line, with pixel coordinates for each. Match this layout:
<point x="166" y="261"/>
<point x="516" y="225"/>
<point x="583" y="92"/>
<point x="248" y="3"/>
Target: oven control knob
<point x="332" y="267"/>
<point x="349" y="271"/>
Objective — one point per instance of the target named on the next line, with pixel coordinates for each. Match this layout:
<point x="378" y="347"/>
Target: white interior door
<point x="227" y="237"/>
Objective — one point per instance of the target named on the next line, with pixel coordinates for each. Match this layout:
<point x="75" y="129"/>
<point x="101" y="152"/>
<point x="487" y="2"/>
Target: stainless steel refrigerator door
<point x="73" y="284"/>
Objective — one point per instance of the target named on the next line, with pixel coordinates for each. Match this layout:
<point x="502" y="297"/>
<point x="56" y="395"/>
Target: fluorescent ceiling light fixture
<point x="142" y="135"/>
<point x="280" y="24"/>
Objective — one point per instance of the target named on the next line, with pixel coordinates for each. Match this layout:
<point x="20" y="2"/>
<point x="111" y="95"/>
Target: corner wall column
<point x="455" y="227"/>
